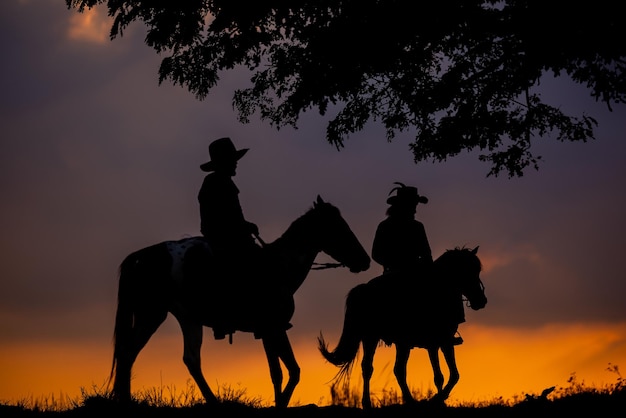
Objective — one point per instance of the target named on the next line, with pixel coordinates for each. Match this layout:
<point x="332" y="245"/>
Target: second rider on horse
<point x="400" y="244"/>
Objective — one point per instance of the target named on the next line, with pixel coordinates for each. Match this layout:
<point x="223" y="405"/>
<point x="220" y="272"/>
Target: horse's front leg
<point x="448" y="355"/>
<point x="367" y="369"/>
<point x="433" y="355"/>
<point x="399" y="370"/>
<point x="192" y="335"/>
<point x="277" y="347"/>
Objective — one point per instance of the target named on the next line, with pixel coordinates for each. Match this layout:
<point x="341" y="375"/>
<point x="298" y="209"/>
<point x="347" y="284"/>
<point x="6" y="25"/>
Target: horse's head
<point x="464" y="267"/>
<point x="336" y="239"/>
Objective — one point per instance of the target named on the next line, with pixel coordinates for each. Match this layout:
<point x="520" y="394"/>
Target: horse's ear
<point x="475" y="250"/>
<point x="319" y="200"/>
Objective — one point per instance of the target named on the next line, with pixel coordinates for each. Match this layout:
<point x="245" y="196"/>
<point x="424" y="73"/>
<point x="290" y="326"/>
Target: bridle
<point x="482" y="288"/>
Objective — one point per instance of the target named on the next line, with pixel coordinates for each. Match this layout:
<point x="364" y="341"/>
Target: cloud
<point x="500" y="257"/>
<point x="92" y="26"/>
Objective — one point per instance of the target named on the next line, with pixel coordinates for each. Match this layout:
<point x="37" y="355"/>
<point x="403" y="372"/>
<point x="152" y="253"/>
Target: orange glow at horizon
<point x="493" y="363"/>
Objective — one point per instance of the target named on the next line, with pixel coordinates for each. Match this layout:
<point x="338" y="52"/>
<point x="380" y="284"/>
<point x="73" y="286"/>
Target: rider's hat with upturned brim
<point x="221" y="151"/>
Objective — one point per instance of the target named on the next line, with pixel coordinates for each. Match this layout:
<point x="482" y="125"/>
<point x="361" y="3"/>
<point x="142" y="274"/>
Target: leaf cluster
<point x="458" y="74"/>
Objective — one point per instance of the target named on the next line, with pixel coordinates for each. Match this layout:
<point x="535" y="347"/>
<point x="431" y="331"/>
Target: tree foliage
<point x="459" y="74"/>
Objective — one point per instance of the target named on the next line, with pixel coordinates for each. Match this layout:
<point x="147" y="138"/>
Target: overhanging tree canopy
<point x="461" y="74"/>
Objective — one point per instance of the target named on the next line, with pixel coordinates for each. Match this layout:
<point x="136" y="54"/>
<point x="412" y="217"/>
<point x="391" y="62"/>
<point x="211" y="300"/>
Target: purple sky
<point x="97" y="160"/>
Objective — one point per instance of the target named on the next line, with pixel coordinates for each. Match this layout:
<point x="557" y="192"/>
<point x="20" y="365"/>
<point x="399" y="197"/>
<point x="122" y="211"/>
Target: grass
<point x="576" y="398"/>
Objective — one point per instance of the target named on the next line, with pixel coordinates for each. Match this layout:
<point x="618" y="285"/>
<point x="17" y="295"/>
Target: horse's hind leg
<point x="402" y="357"/>
<point x="367" y="369"/>
<point x="192" y="336"/>
<point x="128" y="344"/>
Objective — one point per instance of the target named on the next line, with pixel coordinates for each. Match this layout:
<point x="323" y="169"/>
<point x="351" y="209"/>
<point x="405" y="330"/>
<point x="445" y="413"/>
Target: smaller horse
<point x="394" y="310"/>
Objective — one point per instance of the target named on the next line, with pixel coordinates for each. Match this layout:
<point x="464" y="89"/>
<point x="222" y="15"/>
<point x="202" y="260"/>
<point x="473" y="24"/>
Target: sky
<point x="98" y="160"/>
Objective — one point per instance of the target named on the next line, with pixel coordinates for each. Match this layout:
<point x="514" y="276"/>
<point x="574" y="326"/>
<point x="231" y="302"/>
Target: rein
<point x="316" y="266"/>
<point x="322" y="266"/>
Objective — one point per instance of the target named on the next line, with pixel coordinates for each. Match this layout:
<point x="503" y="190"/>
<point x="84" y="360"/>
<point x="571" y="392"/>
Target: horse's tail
<point x="124" y="314"/>
<point x="130" y="275"/>
<point x="347" y="349"/>
<point x="141" y="308"/>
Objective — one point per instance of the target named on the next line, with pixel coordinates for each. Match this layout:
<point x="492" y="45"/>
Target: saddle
<point x="243" y="296"/>
<point x="417" y="311"/>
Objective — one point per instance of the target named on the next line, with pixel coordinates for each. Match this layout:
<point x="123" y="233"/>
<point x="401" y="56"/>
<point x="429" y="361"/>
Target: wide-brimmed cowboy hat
<point x="405" y="195"/>
<point x="222" y="150"/>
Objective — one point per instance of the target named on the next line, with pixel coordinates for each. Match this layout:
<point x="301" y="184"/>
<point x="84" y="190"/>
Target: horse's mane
<point x="456" y="253"/>
<point x="307" y="219"/>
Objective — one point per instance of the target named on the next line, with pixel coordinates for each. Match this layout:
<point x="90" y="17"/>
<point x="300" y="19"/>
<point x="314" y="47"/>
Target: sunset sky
<point x="97" y="160"/>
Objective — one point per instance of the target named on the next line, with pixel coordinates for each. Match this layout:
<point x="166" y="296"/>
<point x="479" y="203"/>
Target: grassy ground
<point x="576" y="399"/>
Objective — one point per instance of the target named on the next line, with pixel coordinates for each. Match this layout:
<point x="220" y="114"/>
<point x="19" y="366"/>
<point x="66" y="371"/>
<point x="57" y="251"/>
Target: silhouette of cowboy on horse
<point x="401" y="246"/>
<point x="222" y="223"/>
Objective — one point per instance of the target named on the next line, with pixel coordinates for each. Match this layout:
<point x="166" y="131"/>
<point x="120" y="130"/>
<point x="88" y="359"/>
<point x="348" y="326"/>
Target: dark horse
<point x="157" y="279"/>
<point x="390" y="309"/>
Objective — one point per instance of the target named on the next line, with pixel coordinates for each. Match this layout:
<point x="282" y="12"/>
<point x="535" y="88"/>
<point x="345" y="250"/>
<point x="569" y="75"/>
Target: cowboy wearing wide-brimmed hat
<point x="221" y="217"/>
<point x="222" y="222"/>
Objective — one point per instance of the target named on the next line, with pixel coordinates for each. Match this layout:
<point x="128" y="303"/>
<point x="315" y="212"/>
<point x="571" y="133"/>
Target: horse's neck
<point x="446" y="273"/>
<point x="295" y="257"/>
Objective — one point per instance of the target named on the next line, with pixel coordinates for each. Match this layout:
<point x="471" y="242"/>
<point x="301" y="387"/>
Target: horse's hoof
<point x="281" y="403"/>
<point x="409" y="401"/>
